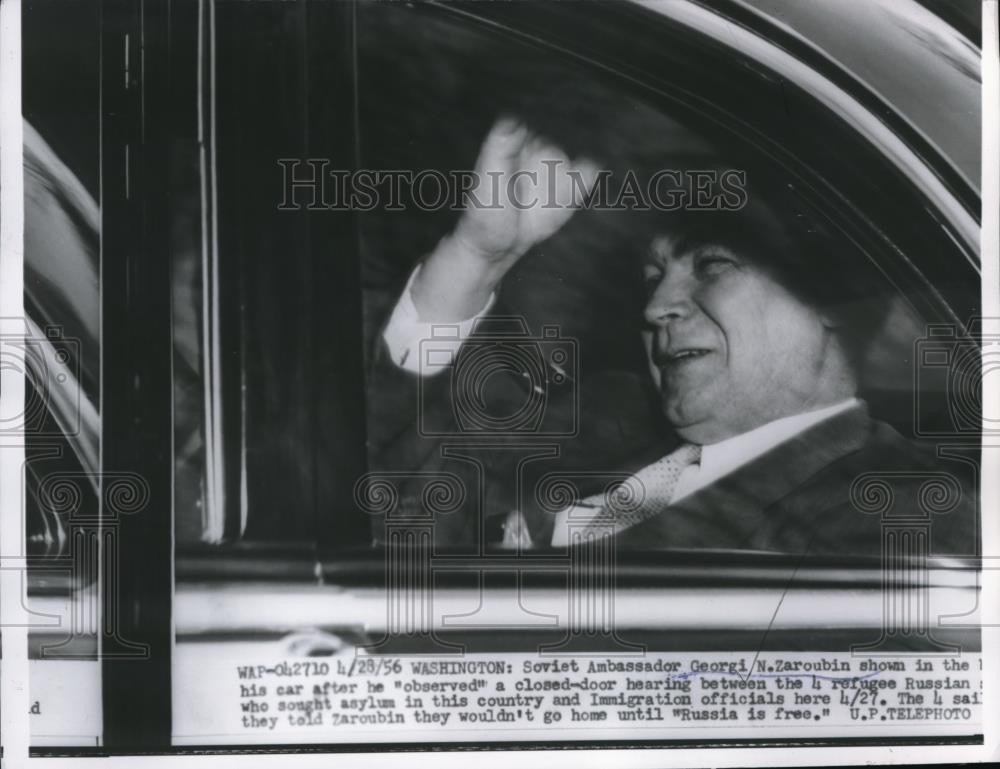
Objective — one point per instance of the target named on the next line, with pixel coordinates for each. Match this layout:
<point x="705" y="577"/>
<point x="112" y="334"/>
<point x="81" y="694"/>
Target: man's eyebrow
<point x="714" y="246"/>
<point x="684" y="244"/>
<point x="652" y="258"/>
<point x="676" y="247"/>
<point x="661" y="248"/>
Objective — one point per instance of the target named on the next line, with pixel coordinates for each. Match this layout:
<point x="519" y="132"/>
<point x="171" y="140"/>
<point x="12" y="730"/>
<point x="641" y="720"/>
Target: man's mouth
<point x="684" y="355"/>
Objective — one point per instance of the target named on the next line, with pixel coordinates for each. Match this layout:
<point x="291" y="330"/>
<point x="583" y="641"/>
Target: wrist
<point x="455" y="282"/>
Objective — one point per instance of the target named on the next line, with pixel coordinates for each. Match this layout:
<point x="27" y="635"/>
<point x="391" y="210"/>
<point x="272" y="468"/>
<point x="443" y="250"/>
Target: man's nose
<point x="671" y="301"/>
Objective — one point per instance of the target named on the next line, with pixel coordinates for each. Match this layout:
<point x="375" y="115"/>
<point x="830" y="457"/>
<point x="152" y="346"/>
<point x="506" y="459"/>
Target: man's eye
<point x="651" y="280"/>
<point x="714" y="264"/>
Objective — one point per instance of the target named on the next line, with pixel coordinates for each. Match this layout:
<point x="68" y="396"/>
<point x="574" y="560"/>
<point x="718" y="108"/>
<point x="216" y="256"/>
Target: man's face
<point x="730" y="348"/>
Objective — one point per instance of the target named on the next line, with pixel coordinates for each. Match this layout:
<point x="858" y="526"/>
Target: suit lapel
<point x="729" y="512"/>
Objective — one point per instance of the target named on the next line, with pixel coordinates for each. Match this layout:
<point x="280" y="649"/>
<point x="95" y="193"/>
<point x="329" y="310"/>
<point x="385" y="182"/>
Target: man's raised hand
<point x="526" y="189"/>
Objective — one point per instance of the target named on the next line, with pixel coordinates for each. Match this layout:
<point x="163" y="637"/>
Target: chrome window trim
<point x="836" y="99"/>
<point x="249" y="607"/>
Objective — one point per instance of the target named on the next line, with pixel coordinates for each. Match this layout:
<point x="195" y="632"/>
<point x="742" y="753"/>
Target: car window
<point x="265" y="258"/>
<point x="569" y="315"/>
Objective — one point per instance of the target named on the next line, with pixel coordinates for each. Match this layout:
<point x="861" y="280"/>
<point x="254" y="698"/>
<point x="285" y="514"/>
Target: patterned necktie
<point x="643" y="495"/>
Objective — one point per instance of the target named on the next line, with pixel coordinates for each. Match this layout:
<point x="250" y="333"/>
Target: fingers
<point x="569" y="183"/>
<point x="583" y="174"/>
<point x="502" y="146"/>
<point x="552" y="180"/>
<point x="526" y="189"/>
<point x="532" y="170"/>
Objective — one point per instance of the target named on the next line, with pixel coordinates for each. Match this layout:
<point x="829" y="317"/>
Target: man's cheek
<point x="654" y="372"/>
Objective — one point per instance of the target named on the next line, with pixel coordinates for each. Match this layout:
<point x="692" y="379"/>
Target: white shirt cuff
<point x="405" y="331"/>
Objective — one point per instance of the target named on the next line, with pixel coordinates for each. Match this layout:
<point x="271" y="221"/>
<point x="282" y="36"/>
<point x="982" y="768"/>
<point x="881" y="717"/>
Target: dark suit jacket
<point x="590" y="431"/>
<point x="832" y="489"/>
<point x="794" y="498"/>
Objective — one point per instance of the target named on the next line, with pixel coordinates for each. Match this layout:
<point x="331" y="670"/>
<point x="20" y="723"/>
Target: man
<point x="755" y="366"/>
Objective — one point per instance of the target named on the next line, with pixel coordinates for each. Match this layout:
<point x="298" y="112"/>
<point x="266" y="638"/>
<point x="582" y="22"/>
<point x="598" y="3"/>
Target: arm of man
<point x="508" y="211"/>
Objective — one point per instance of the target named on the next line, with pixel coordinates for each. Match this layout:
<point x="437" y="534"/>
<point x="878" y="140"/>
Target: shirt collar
<point x="719" y="459"/>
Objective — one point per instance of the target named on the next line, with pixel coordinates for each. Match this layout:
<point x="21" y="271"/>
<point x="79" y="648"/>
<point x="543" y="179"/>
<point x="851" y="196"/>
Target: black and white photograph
<point x="561" y="381"/>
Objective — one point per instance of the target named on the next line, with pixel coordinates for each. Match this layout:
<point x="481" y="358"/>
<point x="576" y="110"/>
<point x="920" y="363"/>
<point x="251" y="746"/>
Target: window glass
<point x="267" y="429"/>
<point x="572" y="405"/>
<point x="266" y="262"/>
